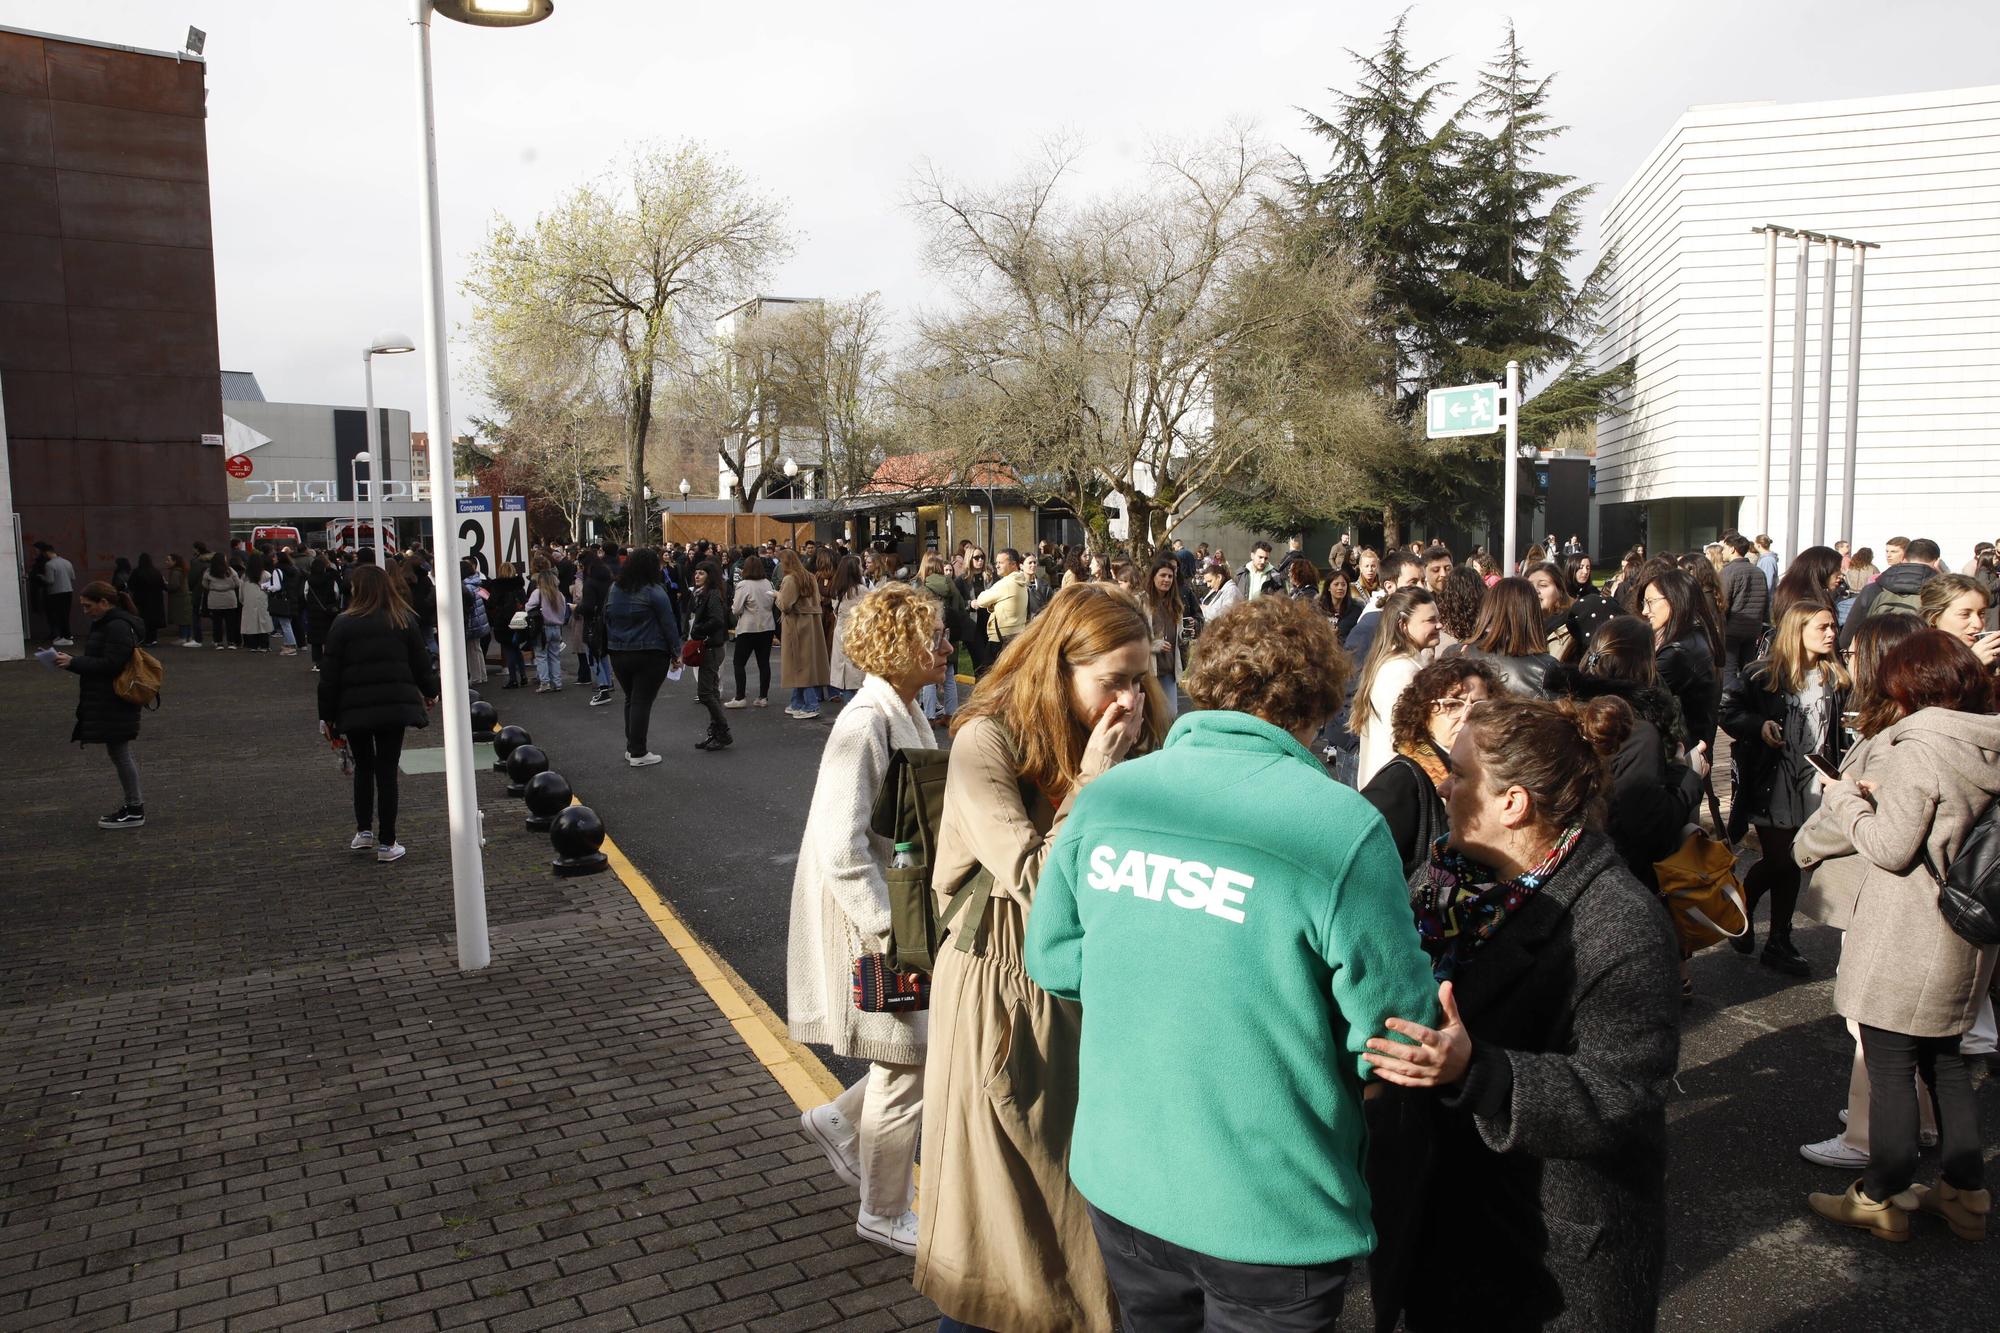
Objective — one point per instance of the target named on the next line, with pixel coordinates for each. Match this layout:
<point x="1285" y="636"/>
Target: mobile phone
<point x="1826" y="770"/>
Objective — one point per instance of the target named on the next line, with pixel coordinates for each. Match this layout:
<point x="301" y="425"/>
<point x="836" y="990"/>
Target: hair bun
<point x="1604" y="722"/>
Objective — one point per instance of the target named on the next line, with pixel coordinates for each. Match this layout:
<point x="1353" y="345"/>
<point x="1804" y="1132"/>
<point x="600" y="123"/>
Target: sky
<point x="312" y="132"/>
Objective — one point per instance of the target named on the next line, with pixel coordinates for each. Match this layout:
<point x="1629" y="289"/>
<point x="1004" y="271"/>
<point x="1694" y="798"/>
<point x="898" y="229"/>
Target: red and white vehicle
<point x="352" y="536"/>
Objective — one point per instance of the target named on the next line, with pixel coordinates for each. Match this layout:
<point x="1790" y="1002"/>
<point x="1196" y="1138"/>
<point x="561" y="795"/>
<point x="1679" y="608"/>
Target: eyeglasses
<point x="1451" y="703"/>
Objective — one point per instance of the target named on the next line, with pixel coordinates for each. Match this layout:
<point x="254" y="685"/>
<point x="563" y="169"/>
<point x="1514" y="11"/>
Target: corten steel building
<point x="108" y="358"/>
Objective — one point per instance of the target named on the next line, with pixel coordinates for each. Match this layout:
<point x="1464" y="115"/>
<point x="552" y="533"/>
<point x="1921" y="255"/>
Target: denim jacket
<point x="634" y="622"/>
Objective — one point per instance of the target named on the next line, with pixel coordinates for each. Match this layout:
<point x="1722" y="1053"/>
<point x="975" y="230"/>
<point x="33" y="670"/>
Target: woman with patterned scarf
<point x="1527" y="1138"/>
<point x="1425" y="722"/>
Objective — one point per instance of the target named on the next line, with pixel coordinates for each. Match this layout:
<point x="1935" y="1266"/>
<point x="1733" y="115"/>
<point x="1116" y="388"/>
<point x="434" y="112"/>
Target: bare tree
<point x="1144" y="344"/>
<point x="625" y="266"/>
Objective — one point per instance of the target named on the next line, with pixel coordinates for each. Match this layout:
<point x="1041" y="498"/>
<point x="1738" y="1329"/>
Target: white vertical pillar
<point x="468" y="870"/>
<point x="13" y="611"/>
<point x="1823" y="443"/>
<point x="1851" y="444"/>
<point x="1789" y="542"/>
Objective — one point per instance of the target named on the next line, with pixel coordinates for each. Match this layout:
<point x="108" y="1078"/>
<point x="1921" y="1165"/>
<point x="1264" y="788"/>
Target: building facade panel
<point x="108" y="357"/>
<point x="1918" y="175"/>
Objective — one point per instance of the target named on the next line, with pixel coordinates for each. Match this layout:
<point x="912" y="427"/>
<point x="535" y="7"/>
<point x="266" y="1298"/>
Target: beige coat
<point x="841" y="673"/>
<point x="1005" y="1240"/>
<point x="840" y="900"/>
<point x="804" y="661"/>
<point x="1902" y="968"/>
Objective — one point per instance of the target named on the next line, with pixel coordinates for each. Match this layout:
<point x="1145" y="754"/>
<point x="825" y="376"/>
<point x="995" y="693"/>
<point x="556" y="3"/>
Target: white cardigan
<point x="840" y="900"/>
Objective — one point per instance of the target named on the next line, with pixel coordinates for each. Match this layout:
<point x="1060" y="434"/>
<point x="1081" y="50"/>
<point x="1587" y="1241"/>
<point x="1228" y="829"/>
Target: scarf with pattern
<point x="1462" y="903"/>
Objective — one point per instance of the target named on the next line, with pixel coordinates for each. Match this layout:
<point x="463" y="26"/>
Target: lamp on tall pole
<point x="468" y="870"/>
<point x="385" y="344"/>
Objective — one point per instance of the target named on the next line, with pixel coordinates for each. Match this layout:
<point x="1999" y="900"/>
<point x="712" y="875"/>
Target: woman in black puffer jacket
<point x="708" y="621"/>
<point x="102" y="718"/>
<point x="376" y="678"/>
<point x="322" y="605"/>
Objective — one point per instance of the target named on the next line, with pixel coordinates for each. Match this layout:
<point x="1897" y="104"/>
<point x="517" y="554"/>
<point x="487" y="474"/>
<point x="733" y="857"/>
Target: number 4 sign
<point x="510" y="533"/>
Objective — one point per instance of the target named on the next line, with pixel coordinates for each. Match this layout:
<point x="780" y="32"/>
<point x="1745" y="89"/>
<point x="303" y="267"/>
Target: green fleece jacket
<point x="1236" y="926"/>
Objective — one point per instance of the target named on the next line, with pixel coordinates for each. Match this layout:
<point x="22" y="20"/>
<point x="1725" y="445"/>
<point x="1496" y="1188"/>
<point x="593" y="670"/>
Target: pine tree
<point x="1470" y="241"/>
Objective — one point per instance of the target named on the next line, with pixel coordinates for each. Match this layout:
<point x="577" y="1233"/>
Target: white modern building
<point x="1917" y="174"/>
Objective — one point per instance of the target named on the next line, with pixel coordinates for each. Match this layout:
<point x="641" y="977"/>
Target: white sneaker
<point x="763" y="703"/>
<point x="898" y="1233"/>
<point x="363" y="842"/>
<point x="838" y="1139"/>
<point x="806" y="714"/>
<point x="64" y="642"/>
<point x="735" y="703"/>
<point x="393" y="852"/>
<point x="190" y="643"/>
<point x="646" y="760"/>
<point x="1834" y="1152"/>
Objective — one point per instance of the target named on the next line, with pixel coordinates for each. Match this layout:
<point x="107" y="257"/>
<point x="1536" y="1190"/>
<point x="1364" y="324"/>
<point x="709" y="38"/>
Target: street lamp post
<point x="354" y="491"/>
<point x="468" y="871"/>
<point x="385" y="344"/>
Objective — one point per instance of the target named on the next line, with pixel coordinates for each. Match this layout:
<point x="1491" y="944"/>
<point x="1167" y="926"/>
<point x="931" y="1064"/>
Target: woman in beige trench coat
<point x="1909" y="981"/>
<point x="802" y="664"/>
<point x="1004" y="1240"/>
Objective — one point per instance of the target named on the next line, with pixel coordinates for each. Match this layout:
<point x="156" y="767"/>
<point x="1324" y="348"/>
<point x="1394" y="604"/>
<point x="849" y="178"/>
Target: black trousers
<point x="1737" y="653"/>
<point x="58" y="613"/>
<point x="757" y="642"/>
<point x="376" y="757"/>
<point x="1776" y="874"/>
<point x="708" y="688"/>
<point x="640" y="675"/>
<point x="1163" y="1288"/>
<point x="1891" y="1057"/>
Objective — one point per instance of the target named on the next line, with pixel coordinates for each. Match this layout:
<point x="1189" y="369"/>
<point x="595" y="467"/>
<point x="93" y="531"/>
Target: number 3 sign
<point x="475" y="539"/>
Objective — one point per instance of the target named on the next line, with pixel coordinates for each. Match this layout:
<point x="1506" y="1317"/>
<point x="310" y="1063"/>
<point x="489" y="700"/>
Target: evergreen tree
<point x="1470" y="242"/>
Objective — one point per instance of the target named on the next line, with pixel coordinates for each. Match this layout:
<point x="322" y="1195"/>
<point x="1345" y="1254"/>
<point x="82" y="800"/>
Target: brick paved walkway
<point x="245" y="1086"/>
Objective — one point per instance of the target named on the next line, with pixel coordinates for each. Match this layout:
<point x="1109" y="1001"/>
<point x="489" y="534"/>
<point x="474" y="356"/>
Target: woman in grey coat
<point x="1912" y="984"/>
<point x="1531" y="1159"/>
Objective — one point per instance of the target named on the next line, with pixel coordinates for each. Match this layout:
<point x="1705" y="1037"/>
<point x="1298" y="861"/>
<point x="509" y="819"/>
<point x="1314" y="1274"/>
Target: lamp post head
<point x="387" y="344"/>
<point x="685" y="488"/>
<point x="495" y="13"/>
<point x="791" y="468"/>
<point x="363" y="457"/>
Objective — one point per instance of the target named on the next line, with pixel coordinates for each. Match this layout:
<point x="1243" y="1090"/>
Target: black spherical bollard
<point x="548" y="795"/>
<point x="504" y="742"/>
<point x="473" y="696"/>
<point x="524" y="763"/>
<point x="485" y="718"/>
<point x="577" y="834"/>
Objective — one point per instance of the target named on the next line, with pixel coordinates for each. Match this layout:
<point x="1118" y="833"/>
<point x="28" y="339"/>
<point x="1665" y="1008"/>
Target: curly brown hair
<point x="1276" y="658"/>
<point x="1558" y="751"/>
<point x="1458" y="599"/>
<point x="1410" y="718"/>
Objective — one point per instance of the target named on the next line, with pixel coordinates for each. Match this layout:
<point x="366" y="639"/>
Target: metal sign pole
<point x="1850" y="445"/>
<point x="1510" y="471"/>
<point x="1823" y="442"/>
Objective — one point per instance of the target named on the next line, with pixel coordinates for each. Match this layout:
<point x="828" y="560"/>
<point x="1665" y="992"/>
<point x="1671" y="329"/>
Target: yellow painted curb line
<point x="808" y="1082"/>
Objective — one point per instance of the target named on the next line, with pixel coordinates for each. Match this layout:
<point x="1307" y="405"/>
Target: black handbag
<point x="1969" y="890"/>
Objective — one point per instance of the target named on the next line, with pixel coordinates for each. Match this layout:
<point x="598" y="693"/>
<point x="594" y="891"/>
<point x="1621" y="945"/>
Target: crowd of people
<point x="1410" y="946"/>
<point x="1432" y="987"/>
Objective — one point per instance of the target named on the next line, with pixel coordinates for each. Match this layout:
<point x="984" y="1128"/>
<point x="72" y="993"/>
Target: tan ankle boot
<point x="1964" y="1211"/>
<point x="1888" y="1220"/>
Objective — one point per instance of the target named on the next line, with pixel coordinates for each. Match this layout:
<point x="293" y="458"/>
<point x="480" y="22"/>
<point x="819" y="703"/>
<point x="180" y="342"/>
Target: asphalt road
<point x="1763" y="1068"/>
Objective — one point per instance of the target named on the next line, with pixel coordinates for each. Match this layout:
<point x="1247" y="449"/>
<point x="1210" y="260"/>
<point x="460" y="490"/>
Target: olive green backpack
<point x="909" y="808"/>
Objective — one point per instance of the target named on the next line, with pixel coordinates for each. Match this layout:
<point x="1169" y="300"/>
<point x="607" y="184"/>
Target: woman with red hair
<point x="1931" y="770"/>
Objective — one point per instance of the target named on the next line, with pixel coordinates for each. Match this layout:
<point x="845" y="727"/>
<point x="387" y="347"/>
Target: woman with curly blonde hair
<point x="1005" y="1240"/>
<point x="840" y="910"/>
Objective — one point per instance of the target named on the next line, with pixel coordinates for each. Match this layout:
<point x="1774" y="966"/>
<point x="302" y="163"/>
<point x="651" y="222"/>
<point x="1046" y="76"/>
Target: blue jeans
<point x="548" y="660"/>
<point x="806" y="699"/>
<point x="284" y="624"/>
<point x="929" y="697"/>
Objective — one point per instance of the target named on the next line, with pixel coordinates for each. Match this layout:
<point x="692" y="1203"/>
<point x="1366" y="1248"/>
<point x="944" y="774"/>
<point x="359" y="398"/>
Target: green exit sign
<point x="1473" y="409"/>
